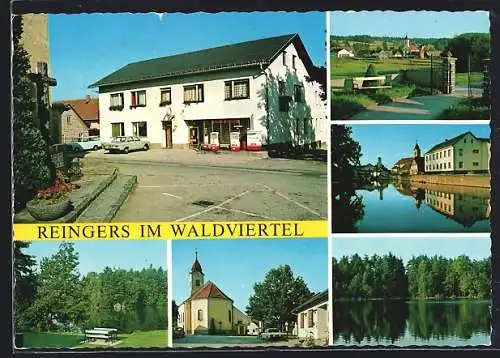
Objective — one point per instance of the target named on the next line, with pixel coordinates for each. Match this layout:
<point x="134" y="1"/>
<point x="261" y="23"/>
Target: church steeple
<point x="196" y="276"/>
<point x="416" y="151"/>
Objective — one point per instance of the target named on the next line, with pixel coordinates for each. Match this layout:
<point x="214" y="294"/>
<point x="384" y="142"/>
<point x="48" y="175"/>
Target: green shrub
<point x="468" y="108"/>
<point x="371" y="71"/>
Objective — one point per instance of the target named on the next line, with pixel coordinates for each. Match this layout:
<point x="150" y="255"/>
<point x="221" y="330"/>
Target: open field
<point x="157" y="339"/>
<point x="349" y="67"/>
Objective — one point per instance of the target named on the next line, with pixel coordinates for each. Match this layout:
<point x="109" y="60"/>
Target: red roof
<point x="414" y="48"/>
<point x="210" y="290"/>
<point x="404" y="162"/>
<point x="87" y="109"/>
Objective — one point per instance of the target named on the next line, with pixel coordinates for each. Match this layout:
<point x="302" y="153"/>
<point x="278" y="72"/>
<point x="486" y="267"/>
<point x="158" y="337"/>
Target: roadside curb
<point x="127" y="190"/>
<point x="78" y="210"/>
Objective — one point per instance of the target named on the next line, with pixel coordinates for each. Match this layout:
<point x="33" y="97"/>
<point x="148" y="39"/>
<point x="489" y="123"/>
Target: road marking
<point x="293" y="201"/>
<point x="214" y="206"/>
<point x="175" y="196"/>
<point x="246" y="213"/>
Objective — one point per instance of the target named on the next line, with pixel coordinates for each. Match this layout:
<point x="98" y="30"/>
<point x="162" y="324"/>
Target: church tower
<point x="196" y="276"/>
<point x="407" y="42"/>
<point x="416" y="151"/>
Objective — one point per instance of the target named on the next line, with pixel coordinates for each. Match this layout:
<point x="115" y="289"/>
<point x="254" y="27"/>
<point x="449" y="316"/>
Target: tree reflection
<point x="399" y="322"/>
<point x="347" y="210"/>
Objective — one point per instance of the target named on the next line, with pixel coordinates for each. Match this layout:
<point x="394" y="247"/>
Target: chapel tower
<point x="416" y="151"/>
<point x="196" y="276"/>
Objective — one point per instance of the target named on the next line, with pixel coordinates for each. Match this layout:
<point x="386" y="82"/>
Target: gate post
<point x="449" y="68"/>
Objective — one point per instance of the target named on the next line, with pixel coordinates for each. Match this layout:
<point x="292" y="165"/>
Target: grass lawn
<point x="468" y="108"/>
<point x="461" y="78"/>
<point x="51" y="339"/>
<point x="349" y="67"/>
<point x="345" y="104"/>
<point x="138" y="339"/>
<point x="157" y="339"/>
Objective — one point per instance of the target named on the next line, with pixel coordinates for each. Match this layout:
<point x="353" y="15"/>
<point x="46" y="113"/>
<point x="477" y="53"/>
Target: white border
<point x="169" y="293"/>
<point x="329" y="183"/>
<point x="413" y="121"/>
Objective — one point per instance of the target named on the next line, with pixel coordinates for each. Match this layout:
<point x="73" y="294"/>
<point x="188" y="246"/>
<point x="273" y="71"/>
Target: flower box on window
<point x="115" y="108"/>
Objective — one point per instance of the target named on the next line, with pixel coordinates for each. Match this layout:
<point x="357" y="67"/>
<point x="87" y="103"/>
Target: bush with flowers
<point x="56" y="191"/>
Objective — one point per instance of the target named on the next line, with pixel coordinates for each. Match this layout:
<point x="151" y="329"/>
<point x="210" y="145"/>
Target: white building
<point x="178" y="101"/>
<point x="465" y="153"/>
<point x="312" y="317"/>
<point x="344" y="53"/>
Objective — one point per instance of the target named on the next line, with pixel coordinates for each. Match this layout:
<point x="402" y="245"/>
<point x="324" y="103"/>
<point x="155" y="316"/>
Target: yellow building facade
<point x="208" y="310"/>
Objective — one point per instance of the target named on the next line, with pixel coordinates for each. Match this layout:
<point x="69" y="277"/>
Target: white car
<point x="125" y="144"/>
<point x="84" y="144"/>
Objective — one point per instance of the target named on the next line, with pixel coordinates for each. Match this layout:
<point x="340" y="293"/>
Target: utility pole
<point x="432" y="78"/>
<point x="469" y="89"/>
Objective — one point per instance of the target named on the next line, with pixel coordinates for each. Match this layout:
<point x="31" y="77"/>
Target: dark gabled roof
<point x="240" y="55"/>
<point x="453" y="141"/>
<point x="313" y="301"/>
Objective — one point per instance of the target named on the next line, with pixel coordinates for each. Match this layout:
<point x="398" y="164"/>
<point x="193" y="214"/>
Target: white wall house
<point x="177" y="101"/>
<point x="462" y="154"/>
<point x="344" y="53"/>
<point x="312" y="317"/>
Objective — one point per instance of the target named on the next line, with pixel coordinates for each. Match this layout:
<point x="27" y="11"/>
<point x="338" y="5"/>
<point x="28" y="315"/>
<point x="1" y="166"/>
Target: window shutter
<point x="133" y="102"/>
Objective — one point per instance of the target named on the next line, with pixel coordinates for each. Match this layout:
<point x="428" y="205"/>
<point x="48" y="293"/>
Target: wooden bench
<point x="106" y="334"/>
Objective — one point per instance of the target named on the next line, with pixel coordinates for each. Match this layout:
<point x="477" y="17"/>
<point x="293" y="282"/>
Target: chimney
<point x="87" y="97"/>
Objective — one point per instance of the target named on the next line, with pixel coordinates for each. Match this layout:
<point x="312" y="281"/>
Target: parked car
<point x="178" y="332"/>
<point x="84" y="144"/>
<point x="125" y="144"/>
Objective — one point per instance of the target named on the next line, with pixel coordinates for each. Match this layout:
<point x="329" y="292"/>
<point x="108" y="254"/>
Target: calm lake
<point x="399" y="323"/>
<point x="405" y="207"/>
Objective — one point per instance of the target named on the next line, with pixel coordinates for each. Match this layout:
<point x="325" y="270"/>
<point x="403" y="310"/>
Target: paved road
<point x="424" y="107"/>
<point x="261" y="189"/>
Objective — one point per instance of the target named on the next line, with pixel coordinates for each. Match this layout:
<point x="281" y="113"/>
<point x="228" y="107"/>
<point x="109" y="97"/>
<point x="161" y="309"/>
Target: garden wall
<point x="482" y="181"/>
<point x="422" y="77"/>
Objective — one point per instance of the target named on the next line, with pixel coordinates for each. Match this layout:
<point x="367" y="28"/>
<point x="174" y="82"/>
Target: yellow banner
<point x="171" y="230"/>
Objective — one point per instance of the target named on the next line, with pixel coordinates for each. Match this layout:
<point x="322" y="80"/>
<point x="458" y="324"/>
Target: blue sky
<point x="87" y="47"/>
<point x="429" y="24"/>
<point x="395" y="141"/>
<point x="476" y="247"/>
<point x="235" y="265"/>
<point x="96" y="255"/>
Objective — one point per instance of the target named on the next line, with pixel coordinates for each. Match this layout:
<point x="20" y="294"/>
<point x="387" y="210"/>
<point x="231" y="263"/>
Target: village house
<point x="411" y="165"/>
<point x="410" y="49"/>
<point x="208" y="310"/>
<point x="465" y="153"/>
<point x="344" y="53"/>
<point x="79" y="119"/>
<point x="262" y="88"/>
<point x="312" y="317"/>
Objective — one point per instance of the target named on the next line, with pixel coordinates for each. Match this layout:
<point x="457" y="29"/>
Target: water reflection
<point x="409" y="323"/>
<point x="385" y="207"/>
<point x="141" y="318"/>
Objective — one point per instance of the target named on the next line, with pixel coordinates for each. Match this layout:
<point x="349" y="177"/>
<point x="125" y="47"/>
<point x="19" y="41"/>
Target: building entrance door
<point x="167" y="127"/>
<point x="194" y="139"/>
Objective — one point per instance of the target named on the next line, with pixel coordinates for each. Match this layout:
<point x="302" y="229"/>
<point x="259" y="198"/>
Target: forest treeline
<point x="54" y="296"/>
<point x="423" y="277"/>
